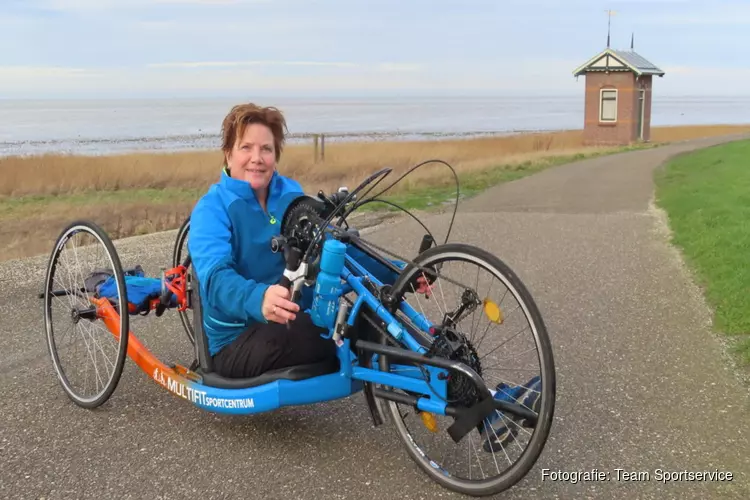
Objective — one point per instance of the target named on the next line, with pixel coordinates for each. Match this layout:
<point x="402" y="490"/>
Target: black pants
<point x="271" y="346"/>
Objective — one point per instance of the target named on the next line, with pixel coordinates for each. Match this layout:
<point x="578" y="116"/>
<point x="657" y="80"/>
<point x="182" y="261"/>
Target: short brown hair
<point x="243" y="115"/>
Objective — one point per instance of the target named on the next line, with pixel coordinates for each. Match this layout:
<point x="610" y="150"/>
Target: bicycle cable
<point x="365" y="243"/>
<point x="399" y="179"/>
<point x="382" y="172"/>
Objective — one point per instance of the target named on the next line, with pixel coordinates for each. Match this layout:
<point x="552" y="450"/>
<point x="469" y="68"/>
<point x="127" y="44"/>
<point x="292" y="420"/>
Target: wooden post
<point x="315" y="154"/>
<point x="322" y="147"/>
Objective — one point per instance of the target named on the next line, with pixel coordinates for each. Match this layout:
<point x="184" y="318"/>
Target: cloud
<point x="709" y="13"/>
<point x="207" y="78"/>
<point x="81" y="5"/>
<point x="531" y="77"/>
<point x="211" y="2"/>
<point x="12" y="19"/>
<point x="35" y="81"/>
<point x="386" y="67"/>
<point x="651" y="2"/>
<point x="157" y="25"/>
<point x="395" y="67"/>
<point x="688" y="79"/>
<point x="198" y="44"/>
<point x="107" y="5"/>
<point x="709" y="72"/>
<point x="24" y="73"/>
<point x="228" y="64"/>
<point x="715" y="19"/>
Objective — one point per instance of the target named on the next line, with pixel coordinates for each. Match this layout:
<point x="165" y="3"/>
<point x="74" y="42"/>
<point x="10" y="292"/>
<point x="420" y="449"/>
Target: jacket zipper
<point x="271" y="218"/>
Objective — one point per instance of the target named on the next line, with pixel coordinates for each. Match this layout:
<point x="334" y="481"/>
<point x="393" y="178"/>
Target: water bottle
<point x="328" y="285"/>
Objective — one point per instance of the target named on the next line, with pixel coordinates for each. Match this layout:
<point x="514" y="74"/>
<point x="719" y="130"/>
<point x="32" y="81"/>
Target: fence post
<point x="322" y="147"/>
<point x="315" y="154"/>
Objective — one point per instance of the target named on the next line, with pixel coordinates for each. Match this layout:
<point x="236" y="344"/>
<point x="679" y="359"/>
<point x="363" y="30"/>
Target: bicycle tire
<point x="121" y="305"/>
<point x="458" y="251"/>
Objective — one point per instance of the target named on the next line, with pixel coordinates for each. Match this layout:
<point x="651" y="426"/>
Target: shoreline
<point x="205" y="143"/>
<point x="202" y="142"/>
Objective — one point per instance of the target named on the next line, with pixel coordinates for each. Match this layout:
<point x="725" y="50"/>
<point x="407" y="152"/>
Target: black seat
<point x="213" y="379"/>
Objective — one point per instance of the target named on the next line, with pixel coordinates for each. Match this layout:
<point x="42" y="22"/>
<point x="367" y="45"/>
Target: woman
<point x="245" y="313"/>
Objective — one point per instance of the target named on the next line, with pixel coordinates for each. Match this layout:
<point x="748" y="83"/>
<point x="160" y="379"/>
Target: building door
<point x="641" y="112"/>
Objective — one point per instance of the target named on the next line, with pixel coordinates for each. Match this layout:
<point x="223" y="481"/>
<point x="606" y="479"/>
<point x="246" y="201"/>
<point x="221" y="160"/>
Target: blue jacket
<point x="230" y="247"/>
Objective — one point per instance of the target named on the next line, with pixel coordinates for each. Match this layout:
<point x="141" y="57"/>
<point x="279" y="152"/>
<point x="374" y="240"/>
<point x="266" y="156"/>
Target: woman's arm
<point x="222" y="287"/>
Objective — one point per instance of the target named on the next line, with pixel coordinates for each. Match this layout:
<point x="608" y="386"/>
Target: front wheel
<point x="87" y="356"/>
<point x="506" y="342"/>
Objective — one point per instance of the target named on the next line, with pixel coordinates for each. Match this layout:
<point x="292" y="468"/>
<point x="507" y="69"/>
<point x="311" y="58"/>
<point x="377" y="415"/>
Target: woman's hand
<point x="276" y="305"/>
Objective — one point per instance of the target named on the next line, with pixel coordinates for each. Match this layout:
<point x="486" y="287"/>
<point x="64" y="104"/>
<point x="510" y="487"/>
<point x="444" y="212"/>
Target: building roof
<point x="619" y="60"/>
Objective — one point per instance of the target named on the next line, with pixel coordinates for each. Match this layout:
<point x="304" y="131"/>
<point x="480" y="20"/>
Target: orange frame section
<point x="137" y="351"/>
<point x="180" y="378"/>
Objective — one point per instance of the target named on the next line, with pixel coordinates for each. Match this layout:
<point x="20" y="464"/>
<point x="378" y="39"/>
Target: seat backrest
<point x="201" y="342"/>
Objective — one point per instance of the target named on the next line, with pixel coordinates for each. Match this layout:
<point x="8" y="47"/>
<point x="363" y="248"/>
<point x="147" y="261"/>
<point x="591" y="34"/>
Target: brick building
<point x="617" y="108"/>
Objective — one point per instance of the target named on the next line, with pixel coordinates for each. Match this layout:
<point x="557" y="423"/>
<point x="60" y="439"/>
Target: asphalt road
<point x="643" y="384"/>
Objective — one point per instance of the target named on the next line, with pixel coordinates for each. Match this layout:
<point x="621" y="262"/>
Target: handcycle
<point x="413" y="370"/>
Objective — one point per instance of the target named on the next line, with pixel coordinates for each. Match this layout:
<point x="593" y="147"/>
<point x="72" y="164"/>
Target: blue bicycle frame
<point x="423" y="378"/>
<point x="407" y="378"/>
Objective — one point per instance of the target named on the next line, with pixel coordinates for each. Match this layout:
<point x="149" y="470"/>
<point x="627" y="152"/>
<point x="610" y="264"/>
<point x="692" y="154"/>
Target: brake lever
<point x="294" y="273"/>
<point x="293" y="279"/>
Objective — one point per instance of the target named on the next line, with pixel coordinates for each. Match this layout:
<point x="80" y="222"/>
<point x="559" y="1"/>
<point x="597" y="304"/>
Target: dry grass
<point x="22" y="237"/>
<point x="111" y="189"/>
<point x="681" y="133"/>
<point x="344" y="162"/>
<point x="56" y="174"/>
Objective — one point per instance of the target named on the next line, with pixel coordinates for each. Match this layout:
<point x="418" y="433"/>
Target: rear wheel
<point x="498" y="336"/>
<point x="87" y="356"/>
<point x="179" y="254"/>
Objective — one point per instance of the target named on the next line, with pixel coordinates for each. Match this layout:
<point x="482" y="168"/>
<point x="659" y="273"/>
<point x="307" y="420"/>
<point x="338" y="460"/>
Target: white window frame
<point x="601" y="105"/>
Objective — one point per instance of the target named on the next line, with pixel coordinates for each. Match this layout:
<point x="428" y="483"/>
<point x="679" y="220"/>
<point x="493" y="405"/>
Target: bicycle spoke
<point x="82" y="250"/>
<point x="503" y="346"/>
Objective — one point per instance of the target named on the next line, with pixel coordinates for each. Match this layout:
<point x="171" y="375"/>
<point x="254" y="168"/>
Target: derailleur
<point x="469" y="303"/>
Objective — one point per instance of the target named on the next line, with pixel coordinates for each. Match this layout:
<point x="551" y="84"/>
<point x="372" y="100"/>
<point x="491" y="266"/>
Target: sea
<point x="112" y="126"/>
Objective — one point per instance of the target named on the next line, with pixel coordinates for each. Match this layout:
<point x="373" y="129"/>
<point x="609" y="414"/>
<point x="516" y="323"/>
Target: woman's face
<point x="253" y="157"/>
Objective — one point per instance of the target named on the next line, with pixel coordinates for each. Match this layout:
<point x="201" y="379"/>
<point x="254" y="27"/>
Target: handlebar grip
<point x="426" y="244"/>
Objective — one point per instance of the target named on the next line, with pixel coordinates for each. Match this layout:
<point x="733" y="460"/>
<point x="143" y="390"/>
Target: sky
<point x="205" y="48"/>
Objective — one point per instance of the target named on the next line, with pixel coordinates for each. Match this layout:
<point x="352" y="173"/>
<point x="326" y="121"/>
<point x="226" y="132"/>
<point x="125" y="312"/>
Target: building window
<point x="608" y="105"/>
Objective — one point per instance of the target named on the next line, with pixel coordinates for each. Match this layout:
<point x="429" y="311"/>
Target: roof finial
<point x="632" y="38"/>
<point x="609" y="17"/>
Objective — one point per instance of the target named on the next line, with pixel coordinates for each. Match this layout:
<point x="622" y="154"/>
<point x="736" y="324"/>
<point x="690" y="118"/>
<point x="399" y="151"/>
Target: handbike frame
<point x="424" y="379"/>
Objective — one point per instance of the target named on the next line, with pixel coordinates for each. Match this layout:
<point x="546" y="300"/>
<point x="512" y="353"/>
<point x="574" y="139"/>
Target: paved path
<point x="642" y="383"/>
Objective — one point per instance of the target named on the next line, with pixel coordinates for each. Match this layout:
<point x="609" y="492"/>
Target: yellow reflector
<point x="428" y="419"/>
<point x="492" y="311"/>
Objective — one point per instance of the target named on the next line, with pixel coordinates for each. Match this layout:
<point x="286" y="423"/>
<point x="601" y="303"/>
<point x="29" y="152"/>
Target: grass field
<point x="133" y="194"/>
<point x="706" y="195"/>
